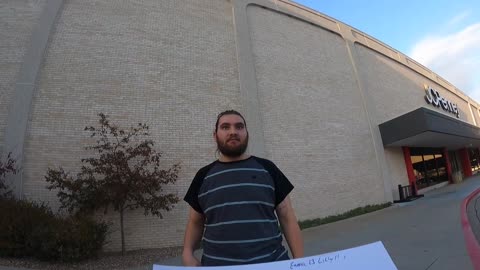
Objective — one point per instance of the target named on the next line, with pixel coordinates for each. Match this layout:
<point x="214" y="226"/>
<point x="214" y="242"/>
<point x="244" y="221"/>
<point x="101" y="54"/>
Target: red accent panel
<point x="449" y="166"/>
<point x="409" y="166"/>
<point x="470" y="240"/>
<point x="467" y="169"/>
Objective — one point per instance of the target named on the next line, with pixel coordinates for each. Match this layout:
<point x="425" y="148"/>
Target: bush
<point x="81" y="237"/>
<point x="20" y="224"/>
<point x="29" y="229"/>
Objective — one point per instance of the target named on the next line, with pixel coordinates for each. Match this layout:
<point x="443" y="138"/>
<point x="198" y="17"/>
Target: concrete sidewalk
<point x="423" y="234"/>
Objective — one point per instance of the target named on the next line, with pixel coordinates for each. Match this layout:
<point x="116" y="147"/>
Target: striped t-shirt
<point x="238" y="200"/>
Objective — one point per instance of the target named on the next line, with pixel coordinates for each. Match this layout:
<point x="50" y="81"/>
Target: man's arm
<point x="193" y="235"/>
<point x="288" y="221"/>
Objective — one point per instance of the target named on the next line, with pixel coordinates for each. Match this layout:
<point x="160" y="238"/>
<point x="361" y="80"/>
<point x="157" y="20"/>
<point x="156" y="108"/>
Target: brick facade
<point x="320" y="95"/>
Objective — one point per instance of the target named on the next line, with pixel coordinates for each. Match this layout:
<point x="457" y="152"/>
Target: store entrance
<point x="429" y="166"/>
<point x="474" y="155"/>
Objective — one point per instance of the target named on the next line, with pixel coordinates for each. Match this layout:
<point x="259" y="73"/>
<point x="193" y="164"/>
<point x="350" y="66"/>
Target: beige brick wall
<point x="173" y="64"/>
<point x="315" y="127"/>
<point x="170" y="64"/>
<point x="475" y="115"/>
<point x="395" y="89"/>
<point x="396" y="169"/>
<point x="17" y="20"/>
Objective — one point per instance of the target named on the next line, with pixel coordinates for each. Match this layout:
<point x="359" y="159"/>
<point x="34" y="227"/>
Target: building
<point x="346" y="117"/>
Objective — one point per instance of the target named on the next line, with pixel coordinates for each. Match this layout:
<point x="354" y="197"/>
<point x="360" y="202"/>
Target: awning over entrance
<point x="426" y="128"/>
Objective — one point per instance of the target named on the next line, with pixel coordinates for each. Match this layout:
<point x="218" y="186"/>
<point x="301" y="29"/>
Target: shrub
<point x="21" y="223"/>
<point x="30" y="229"/>
<point x="81" y="237"/>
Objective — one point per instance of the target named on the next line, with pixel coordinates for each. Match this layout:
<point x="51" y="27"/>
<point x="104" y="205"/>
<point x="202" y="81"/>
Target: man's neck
<point x="224" y="158"/>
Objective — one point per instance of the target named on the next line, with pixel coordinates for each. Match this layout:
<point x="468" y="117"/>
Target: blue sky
<point x="442" y="35"/>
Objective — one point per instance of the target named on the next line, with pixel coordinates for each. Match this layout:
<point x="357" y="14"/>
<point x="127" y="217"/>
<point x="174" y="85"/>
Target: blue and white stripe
<point x="238" y="203"/>
<point x="242" y="241"/>
<point x="242" y="222"/>
<point x="235" y="170"/>
<point x="236" y="185"/>
<point x="240" y="260"/>
<point x="279" y="256"/>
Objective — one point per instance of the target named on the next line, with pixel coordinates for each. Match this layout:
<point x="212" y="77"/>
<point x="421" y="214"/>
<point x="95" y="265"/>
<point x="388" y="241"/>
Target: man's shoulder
<point x="204" y="170"/>
<point x="268" y="164"/>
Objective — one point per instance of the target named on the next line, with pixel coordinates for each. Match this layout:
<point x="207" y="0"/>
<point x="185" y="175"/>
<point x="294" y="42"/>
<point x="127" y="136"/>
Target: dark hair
<point x="228" y="112"/>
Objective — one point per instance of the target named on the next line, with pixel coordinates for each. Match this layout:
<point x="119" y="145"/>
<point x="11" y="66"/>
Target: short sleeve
<point x="282" y="185"/>
<point x="192" y="194"/>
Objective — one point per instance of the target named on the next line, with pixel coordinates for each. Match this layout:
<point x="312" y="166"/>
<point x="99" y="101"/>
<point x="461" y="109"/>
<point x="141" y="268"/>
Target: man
<point x="233" y="204"/>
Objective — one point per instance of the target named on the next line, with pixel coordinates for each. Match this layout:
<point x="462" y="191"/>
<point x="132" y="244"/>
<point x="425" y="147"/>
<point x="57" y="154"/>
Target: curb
<point x="471" y="242"/>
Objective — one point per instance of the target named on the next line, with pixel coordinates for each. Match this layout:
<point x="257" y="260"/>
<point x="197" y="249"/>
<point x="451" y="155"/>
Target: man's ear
<point x="214" y="136"/>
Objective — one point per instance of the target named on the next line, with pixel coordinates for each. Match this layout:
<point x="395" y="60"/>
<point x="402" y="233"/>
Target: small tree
<point x="125" y="175"/>
<point x="6" y="167"/>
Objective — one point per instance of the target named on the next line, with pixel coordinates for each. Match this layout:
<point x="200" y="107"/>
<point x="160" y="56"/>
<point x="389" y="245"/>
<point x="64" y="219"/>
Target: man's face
<point x="231" y="135"/>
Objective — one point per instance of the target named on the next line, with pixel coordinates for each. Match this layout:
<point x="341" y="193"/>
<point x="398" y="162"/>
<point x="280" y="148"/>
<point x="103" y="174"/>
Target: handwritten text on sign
<point x="371" y="256"/>
<point x="301" y="263"/>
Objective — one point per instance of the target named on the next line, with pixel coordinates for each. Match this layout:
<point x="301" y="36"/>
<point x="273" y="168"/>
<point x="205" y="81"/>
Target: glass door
<point x="429" y="166"/>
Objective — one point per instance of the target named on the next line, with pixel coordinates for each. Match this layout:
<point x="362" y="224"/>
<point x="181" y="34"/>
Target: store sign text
<point x="433" y="97"/>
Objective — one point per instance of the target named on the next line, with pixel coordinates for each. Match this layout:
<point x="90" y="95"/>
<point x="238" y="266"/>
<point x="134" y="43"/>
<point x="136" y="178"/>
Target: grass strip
<point x="308" y="223"/>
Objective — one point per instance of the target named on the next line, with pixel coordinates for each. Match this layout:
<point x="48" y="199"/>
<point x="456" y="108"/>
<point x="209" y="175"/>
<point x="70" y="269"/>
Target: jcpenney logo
<point x="433" y="97"/>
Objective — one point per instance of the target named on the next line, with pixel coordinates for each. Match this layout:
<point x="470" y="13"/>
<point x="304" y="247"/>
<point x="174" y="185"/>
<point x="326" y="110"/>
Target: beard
<point x="232" y="151"/>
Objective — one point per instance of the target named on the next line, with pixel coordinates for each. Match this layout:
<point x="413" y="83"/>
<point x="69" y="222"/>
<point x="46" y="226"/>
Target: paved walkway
<point x="424" y="234"/>
<point x="471" y="224"/>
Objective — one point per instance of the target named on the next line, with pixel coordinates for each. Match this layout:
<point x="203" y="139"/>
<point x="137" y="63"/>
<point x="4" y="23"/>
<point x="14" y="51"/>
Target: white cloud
<point x="459" y="18"/>
<point x="455" y="57"/>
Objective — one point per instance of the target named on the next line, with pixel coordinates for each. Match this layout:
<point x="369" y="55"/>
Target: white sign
<point x="433" y="97"/>
<point x="371" y="256"/>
